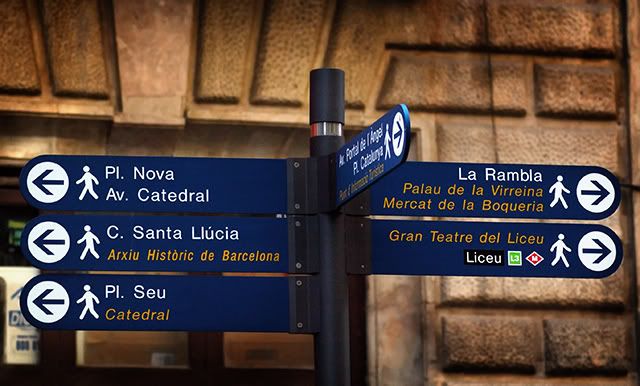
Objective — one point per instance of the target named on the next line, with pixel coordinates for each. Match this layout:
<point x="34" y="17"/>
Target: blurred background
<point x="509" y="81"/>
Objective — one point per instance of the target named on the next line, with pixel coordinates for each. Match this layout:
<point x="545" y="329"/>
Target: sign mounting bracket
<point x="304" y="298"/>
<point x="303" y="244"/>
<point x="302" y="186"/>
<point x="358" y="245"/>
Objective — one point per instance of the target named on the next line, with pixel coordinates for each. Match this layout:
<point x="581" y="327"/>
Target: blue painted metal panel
<point x="155" y="184"/>
<point x="450" y="248"/>
<point x="157" y="243"/>
<point x="157" y="302"/>
<point x="496" y="190"/>
<point x="373" y="153"/>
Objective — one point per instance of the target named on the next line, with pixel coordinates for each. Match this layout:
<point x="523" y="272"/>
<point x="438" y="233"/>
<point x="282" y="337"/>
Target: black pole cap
<point x="326" y="99"/>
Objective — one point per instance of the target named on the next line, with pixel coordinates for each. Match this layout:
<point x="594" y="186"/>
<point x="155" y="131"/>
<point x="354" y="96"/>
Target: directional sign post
<point x="308" y="217"/>
<point x="493" y="190"/>
<point x="448" y="248"/>
<point x="156" y="184"/>
<point x="373" y="153"/>
<point x="159" y="243"/>
<point x="167" y="303"/>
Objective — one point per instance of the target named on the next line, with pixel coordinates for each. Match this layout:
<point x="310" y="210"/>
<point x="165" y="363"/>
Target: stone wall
<point x="517" y="81"/>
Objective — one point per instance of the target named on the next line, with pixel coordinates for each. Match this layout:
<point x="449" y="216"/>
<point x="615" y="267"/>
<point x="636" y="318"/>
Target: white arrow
<point x="47" y="182"/>
<point x="595" y="193"/>
<point x="48" y="302"/>
<point x="398" y="134"/>
<point x="48" y="242"/>
<point x="597" y="251"/>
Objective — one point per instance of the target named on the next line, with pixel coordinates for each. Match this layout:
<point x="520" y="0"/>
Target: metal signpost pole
<point x="327" y="118"/>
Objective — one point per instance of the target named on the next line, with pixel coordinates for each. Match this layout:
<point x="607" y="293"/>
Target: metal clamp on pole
<point x="303" y="304"/>
<point x="358" y="245"/>
<point x="303" y="244"/>
<point x="302" y="185"/>
<point x="326" y="111"/>
<point x="311" y="184"/>
<point x="360" y="205"/>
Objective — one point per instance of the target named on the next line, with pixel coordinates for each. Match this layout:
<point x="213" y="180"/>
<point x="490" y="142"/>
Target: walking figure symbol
<point x="90" y="240"/>
<point x="387" y="143"/>
<point x="560" y="247"/>
<point x="557" y="189"/>
<point x="90" y="300"/>
<point x="88" y="180"/>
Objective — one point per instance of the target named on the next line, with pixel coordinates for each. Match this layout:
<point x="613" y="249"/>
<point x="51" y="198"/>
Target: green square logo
<point x="515" y="258"/>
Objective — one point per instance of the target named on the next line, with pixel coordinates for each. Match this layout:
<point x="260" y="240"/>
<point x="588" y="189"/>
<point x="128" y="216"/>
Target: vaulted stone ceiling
<point x="156" y="62"/>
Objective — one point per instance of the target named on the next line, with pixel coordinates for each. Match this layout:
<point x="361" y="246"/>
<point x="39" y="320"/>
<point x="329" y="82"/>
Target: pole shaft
<point x="332" y="355"/>
<point x="332" y="342"/>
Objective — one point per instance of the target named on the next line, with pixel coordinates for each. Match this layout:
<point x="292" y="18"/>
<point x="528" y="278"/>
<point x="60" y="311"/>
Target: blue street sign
<point x="373" y="153"/>
<point x="494" y="190"/>
<point x="157" y="243"/>
<point x="155" y="184"/>
<point x="446" y="248"/>
<point x="157" y="302"/>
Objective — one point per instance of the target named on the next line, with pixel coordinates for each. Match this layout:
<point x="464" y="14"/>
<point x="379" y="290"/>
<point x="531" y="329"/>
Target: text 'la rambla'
<point x="491" y="174"/>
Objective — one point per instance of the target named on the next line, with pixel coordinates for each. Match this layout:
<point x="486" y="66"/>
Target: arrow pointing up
<point x="42" y="242"/>
<point x="601" y="192"/>
<point x="602" y="251"/>
<point x="42" y="184"/>
<point x="42" y="303"/>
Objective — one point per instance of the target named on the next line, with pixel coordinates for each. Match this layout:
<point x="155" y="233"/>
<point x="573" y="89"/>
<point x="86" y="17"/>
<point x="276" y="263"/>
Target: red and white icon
<point x="534" y="258"/>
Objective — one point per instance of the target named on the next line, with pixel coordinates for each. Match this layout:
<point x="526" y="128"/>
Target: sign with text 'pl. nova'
<point x="155" y="184"/>
<point x="157" y="243"/>
<point x="373" y="153"/>
<point x="157" y="302"/>
<point x="494" y="190"/>
<point x="453" y="248"/>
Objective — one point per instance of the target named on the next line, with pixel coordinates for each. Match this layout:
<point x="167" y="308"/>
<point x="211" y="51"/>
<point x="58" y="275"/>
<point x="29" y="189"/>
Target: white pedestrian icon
<point x="387" y="142"/>
<point x="90" y="240"/>
<point x="90" y="300"/>
<point x="560" y="247"/>
<point x="88" y="180"/>
<point x="557" y="189"/>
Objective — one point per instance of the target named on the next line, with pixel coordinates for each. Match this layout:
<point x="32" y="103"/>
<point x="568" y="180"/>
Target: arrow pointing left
<point x="42" y="183"/>
<point x="47" y="301"/>
<point x="42" y="242"/>
<point x="47" y="182"/>
<point x="47" y="242"/>
<point x="41" y="302"/>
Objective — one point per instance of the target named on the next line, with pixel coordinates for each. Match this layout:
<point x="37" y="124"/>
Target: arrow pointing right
<point x="603" y="251"/>
<point x="600" y="191"/>
<point x="42" y="183"/>
<point x="42" y="303"/>
<point x="42" y="242"/>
